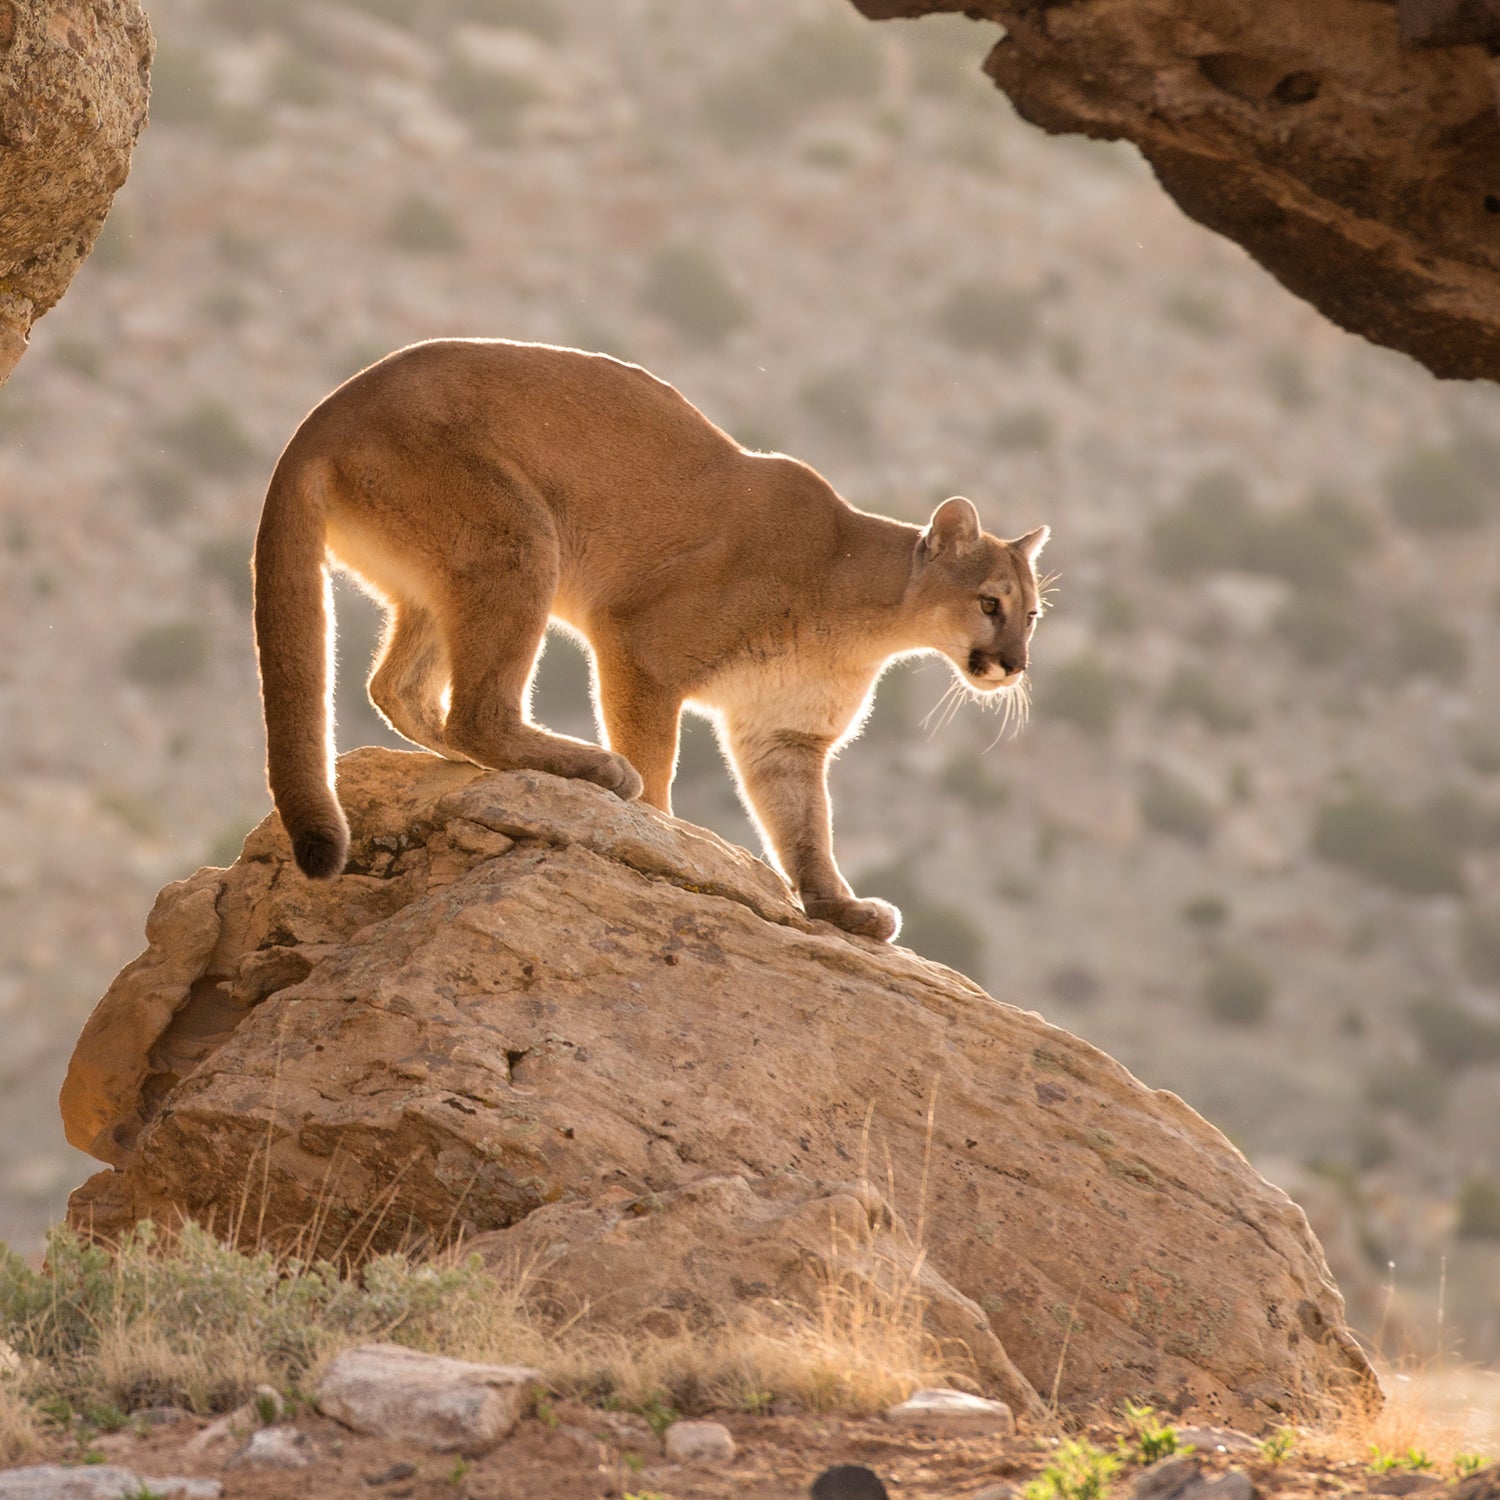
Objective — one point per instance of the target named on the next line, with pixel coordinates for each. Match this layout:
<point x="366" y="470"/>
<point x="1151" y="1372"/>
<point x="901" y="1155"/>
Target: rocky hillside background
<point x="1250" y="843"/>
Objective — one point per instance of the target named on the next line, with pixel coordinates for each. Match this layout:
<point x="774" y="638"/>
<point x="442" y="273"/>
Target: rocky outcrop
<point x="606" y="1042"/>
<point x="73" y="91"/>
<point x="1361" y="170"/>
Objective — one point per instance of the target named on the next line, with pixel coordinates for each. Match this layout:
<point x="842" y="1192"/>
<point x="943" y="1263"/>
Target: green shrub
<point x="1321" y="630"/>
<point x="1083" y="692"/>
<point x="978" y="315"/>
<point x="1479" y="1209"/>
<point x="1417" y="1090"/>
<point x="423" y="226"/>
<point x="1170" y="806"/>
<point x="1236" y="990"/>
<point x="688" y="286"/>
<point x="840" y="403"/>
<point x="1424" y="647"/>
<point x="490" y="104"/>
<point x="1451" y="1035"/>
<point x="1199" y="696"/>
<point x="1312" y="546"/>
<point x="211" y="436"/>
<point x="1207" y="913"/>
<point x="1388" y="845"/>
<point x="1023" y="429"/>
<point x="1459" y="818"/>
<point x="167" y="655"/>
<point x="1452" y="486"/>
<point x="1479" y="941"/>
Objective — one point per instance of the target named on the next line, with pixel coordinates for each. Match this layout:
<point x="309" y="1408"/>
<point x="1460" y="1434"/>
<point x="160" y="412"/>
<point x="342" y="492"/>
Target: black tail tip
<point x="848" y="1482"/>
<point x="320" y="852"/>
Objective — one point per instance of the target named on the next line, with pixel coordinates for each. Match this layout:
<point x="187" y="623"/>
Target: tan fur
<point x="479" y="487"/>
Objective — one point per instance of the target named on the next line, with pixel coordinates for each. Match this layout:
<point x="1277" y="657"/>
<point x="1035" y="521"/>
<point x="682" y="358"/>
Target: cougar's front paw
<point x="871" y="918"/>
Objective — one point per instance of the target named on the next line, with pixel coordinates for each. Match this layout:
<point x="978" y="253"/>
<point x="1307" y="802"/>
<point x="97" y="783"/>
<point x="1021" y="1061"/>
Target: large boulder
<point x="1360" y="168"/>
<point x="73" y="91"/>
<point x="610" y="1043"/>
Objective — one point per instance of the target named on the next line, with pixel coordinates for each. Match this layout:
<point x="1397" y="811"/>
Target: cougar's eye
<point x="988" y="603"/>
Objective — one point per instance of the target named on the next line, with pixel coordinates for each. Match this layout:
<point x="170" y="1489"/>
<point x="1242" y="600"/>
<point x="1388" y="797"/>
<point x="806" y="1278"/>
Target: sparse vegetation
<point x="1424" y="647"/>
<point x="1451" y="486"/>
<point x="1237" y="990"/>
<point x="1479" y="941"/>
<point x="1313" y="546"/>
<point x="839" y="400"/>
<point x="1451" y="1035"/>
<point x="1194" y="693"/>
<point x="990" y="319"/>
<point x="547" y="19"/>
<point x="1207" y="913"/>
<point x="422" y="225"/>
<point x="1079" y="1471"/>
<point x="1389" y="845"/>
<point x="688" y="286"/>
<point x="1169" y="805"/>
<point x="1023" y="429"/>
<point x="490" y="103"/>
<point x="167" y="655"/>
<point x="1479" y="1209"/>
<point x="210" y="436"/>
<point x="815" y="64"/>
<point x="1082" y="692"/>
<point x="1414" y="1089"/>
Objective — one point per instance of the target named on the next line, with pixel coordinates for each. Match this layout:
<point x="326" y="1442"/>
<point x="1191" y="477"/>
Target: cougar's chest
<point x="787" y="689"/>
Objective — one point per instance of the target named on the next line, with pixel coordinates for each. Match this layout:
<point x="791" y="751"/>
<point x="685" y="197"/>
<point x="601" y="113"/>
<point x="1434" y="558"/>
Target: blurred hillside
<point x="1250" y="843"/>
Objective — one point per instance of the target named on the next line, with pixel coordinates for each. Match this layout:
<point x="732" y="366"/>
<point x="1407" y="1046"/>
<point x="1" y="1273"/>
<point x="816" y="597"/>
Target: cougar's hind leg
<point x="494" y="623"/>
<point x="410" y="674"/>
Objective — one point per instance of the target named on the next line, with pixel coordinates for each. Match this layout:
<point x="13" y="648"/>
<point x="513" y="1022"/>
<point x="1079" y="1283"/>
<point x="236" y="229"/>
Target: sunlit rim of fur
<point x="1013" y="704"/>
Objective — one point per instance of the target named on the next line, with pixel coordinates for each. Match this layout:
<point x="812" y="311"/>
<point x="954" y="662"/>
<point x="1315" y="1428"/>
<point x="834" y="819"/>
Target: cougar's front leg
<point x="783" y="778"/>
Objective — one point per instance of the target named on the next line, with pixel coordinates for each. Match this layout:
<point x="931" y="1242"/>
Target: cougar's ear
<point x="953" y="528"/>
<point x="1030" y="546"/>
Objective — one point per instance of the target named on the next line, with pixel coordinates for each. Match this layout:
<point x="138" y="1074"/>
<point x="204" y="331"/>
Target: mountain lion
<point x="478" y="487"/>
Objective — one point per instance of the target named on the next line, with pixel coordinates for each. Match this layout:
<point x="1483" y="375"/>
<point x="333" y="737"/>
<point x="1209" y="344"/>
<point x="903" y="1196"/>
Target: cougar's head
<point x="978" y="596"/>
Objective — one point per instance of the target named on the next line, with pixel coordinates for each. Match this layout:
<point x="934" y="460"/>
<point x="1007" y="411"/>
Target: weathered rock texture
<point x="73" y="91"/>
<point x="1361" y="170"/>
<point x="613" y="1042"/>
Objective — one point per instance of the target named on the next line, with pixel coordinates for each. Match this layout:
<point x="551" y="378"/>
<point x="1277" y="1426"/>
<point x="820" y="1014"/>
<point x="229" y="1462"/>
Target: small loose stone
<point x="953" y="1411"/>
<point x="402" y="1470"/>
<point x="276" y="1448"/>
<point x="699" y="1443"/>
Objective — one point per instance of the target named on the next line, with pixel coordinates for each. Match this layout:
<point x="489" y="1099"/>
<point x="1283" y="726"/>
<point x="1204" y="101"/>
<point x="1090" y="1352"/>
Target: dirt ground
<point x="580" y="1453"/>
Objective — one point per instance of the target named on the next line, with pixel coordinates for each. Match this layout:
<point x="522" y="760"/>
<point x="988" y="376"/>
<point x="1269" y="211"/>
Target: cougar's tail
<point x="294" y="644"/>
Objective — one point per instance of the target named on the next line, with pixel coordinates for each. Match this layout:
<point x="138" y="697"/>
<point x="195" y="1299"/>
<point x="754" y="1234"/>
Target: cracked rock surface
<point x="1362" y="170"/>
<point x="602" y="1039"/>
<point x="73" y="91"/>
